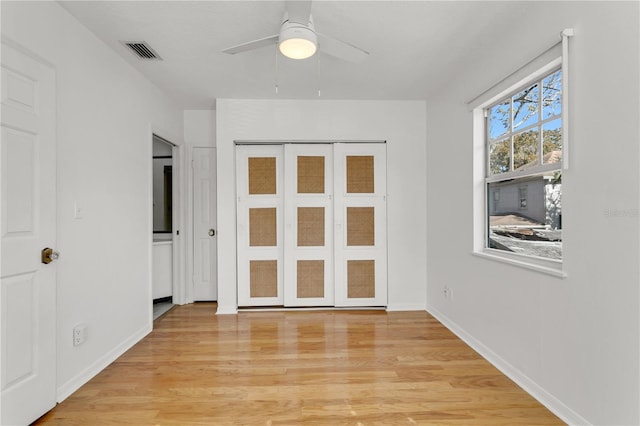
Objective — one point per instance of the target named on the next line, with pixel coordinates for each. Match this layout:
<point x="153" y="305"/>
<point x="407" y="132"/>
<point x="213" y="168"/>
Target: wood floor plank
<point x="299" y="367"/>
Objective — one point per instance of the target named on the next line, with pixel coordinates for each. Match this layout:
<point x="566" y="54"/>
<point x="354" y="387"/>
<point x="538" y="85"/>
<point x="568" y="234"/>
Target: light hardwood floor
<point x="291" y="368"/>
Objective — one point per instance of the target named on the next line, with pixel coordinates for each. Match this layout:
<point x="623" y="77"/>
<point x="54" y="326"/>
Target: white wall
<point x="161" y="149"/>
<point x="105" y="114"/>
<point x="400" y="123"/>
<point x="200" y="128"/>
<point x="573" y="342"/>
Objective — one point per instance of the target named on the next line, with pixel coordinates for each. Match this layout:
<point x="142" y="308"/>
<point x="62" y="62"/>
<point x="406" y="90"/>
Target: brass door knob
<point x="48" y="255"/>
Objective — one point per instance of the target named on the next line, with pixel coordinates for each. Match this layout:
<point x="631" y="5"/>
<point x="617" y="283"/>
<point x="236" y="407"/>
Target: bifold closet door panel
<point x="308" y="206"/>
<point x="260" y="232"/>
<point x="360" y="189"/>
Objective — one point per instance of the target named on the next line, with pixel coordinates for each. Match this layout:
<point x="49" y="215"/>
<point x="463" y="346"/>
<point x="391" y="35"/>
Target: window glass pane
<point x="525" y="150"/>
<point x="500" y="156"/>
<point x="525" y="107"/>
<point x="499" y="120"/>
<point x="552" y="95"/>
<point x="552" y="141"/>
<point x="525" y="215"/>
<point x="525" y="133"/>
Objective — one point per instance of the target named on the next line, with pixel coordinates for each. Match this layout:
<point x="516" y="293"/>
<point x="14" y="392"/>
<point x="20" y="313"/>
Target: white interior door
<point x="259" y="180"/>
<point x="204" y="225"/>
<point x="28" y="225"/>
<point x="308" y="240"/>
<point x="360" y="224"/>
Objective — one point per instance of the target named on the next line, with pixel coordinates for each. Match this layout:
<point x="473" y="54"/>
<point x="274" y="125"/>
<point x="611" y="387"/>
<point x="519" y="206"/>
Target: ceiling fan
<point x="298" y="38"/>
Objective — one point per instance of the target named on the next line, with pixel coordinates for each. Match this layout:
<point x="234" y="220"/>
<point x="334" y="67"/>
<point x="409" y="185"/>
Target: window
<point x="523" y="197"/>
<point x="496" y="199"/>
<point x="523" y="139"/>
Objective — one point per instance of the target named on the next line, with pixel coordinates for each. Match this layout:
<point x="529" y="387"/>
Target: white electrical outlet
<point x="447" y="292"/>
<point x="79" y="334"/>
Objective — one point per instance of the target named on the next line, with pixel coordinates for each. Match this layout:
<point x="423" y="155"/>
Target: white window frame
<point x="482" y="178"/>
<point x="540" y="167"/>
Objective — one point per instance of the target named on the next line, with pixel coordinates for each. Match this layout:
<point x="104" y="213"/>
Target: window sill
<point x="544" y="266"/>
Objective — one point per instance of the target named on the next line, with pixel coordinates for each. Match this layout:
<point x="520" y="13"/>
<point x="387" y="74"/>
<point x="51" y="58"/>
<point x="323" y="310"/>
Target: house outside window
<point x="524" y="165"/>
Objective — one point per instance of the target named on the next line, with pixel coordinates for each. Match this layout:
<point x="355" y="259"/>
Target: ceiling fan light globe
<point x="297" y="48"/>
<point x="297" y="42"/>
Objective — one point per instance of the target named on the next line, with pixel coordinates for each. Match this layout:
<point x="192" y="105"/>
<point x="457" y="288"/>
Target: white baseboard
<point x="232" y="310"/>
<point x="556" y="406"/>
<point x="65" y="390"/>
<point x="405" y="307"/>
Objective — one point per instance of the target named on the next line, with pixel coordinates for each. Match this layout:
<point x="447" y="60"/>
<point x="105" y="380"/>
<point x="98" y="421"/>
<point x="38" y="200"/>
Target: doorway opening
<point x="163" y="244"/>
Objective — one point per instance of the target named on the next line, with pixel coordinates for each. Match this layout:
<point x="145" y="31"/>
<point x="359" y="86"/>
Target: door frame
<point x="177" y="215"/>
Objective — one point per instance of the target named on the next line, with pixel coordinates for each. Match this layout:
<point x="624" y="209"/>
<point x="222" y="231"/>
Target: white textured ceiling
<point x="415" y="46"/>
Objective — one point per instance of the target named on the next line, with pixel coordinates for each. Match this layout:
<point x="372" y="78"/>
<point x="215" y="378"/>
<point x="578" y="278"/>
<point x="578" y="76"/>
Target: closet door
<point x="259" y="174"/>
<point x="308" y="252"/>
<point x="360" y="224"/>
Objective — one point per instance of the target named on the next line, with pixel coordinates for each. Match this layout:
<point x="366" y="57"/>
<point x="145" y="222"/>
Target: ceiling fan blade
<point x="299" y="11"/>
<point x="255" y="44"/>
<point x="341" y="49"/>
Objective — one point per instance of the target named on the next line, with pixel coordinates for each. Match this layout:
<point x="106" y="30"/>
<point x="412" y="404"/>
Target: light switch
<point x="78" y="210"/>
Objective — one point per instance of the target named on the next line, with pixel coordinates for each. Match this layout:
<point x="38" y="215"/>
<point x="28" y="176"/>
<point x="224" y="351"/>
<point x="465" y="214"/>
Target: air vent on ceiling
<point x="142" y="50"/>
